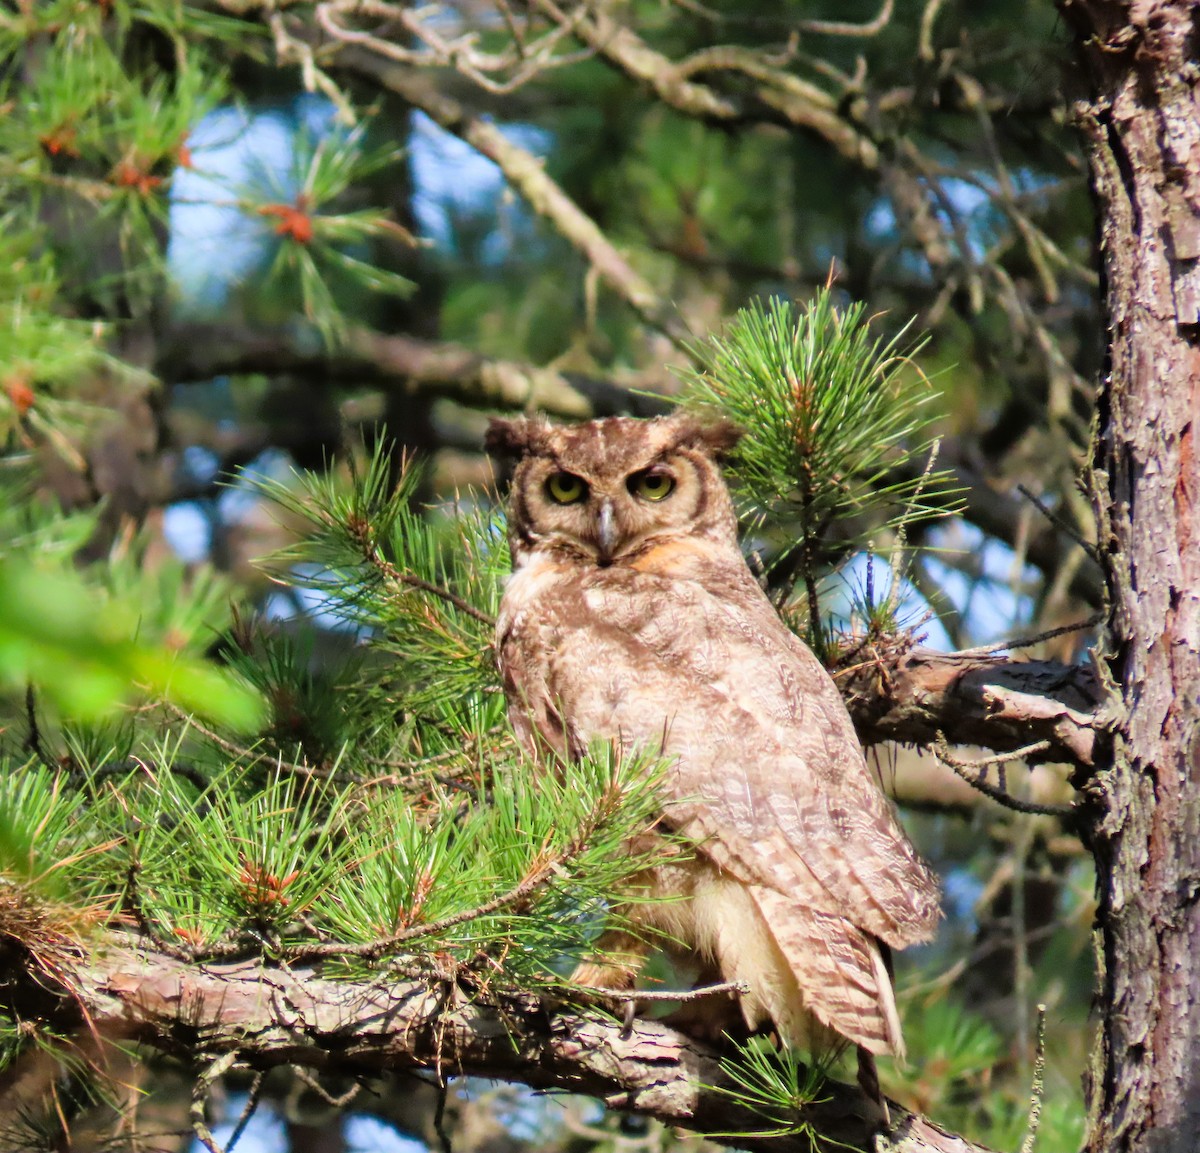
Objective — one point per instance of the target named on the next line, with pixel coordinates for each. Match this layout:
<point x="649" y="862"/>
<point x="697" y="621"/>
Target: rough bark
<point x="273" y="1016"/>
<point x="1143" y="130"/>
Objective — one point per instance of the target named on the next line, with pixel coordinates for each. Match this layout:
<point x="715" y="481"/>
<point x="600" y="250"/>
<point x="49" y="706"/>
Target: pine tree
<point x="293" y="857"/>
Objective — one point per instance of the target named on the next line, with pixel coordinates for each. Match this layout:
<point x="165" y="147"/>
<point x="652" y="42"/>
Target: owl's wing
<point x="818" y="795"/>
<point x="769" y="774"/>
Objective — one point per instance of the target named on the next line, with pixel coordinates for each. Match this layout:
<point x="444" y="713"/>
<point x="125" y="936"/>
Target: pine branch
<point x="410" y="580"/>
<point x="374" y="950"/>
<point x="837" y="414"/>
<point x="248" y="756"/>
<point x="273" y="1016"/>
<point x="396" y="361"/>
<point x="528" y="176"/>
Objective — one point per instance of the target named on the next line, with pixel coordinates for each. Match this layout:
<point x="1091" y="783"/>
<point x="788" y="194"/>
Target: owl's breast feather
<point x="767" y="771"/>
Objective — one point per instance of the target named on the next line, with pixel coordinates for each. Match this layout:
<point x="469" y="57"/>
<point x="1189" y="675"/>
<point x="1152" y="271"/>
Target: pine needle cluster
<point x="100" y="102"/>
<point x="840" y="446"/>
<point x="506" y="877"/>
<point x="775" y="1083"/>
<point x="423" y="588"/>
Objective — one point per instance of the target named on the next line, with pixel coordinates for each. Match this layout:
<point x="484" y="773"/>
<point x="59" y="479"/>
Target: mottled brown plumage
<point x="631" y="615"/>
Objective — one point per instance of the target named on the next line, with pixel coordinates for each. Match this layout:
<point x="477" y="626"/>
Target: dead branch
<point x="528" y="176"/>
<point x="995" y="702"/>
<point x="778" y="96"/>
<point x="917" y="780"/>
<point x="840" y="28"/>
<point x="974" y="772"/>
<point x="523" y="59"/>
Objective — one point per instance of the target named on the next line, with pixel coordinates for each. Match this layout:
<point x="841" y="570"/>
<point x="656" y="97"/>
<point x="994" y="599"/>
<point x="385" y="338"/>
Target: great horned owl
<point x="631" y="615"/>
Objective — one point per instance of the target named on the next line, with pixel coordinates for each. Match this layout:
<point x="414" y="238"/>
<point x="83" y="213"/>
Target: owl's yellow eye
<point x="651" y="485"/>
<point x="565" y="488"/>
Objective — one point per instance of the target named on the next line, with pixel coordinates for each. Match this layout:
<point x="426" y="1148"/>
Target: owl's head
<point x="606" y="491"/>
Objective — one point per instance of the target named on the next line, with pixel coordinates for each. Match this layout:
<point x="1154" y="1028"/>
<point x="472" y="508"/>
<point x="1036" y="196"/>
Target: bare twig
<point x="291" y="49"/>
<point x="33" y="741"/>
<point x="189" y="773"/>
<point x="133" y="907"/>
<point x="528" y="176"/>
<point x="252" y="1100"/>
<point x="777" y="95"/>
<point x="839" y="28"/>
<point x="1038" y="1088"/>
<point x="201" y="1092"/>
<point x="310" y="1082"/>
<point x="439" y="1118"/>
<point x="366" y="542"/>
<point x="395" y="361"/>
<point x="1019" y="924"/>
<point x="241" y="752"/>
<point x="524" y="59"/>
<point x="973" y="772"/>
<point x="669" y="995"/>
<point x="1058" y="521"/>
<point x="1035" y="639"/>
<point x="925" y="37"/>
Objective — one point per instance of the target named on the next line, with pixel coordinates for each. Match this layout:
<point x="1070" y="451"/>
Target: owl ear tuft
<point x="716" y="437"/>
<point x="508" y="440"/>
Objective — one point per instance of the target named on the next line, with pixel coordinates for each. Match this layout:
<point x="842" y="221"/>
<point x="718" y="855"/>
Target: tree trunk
<point x="1143" y="132"/>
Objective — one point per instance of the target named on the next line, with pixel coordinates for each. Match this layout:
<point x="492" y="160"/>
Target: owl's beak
<point x="606" y="531"/>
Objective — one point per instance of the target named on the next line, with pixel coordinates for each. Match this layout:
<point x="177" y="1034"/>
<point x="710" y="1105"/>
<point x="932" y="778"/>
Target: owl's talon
<point x="627" y="1020"/>
<point x="868" y="1082"/>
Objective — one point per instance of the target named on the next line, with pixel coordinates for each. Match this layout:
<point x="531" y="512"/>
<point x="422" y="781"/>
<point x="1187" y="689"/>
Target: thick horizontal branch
<point x="995" y="702"/>
<point x="432" y="368"/>
<point x="271" y="1017"/>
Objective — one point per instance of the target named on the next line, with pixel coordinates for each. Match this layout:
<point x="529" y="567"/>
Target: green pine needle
<point x="837" y="421"/>
<point x="36" y="824"/>
<point x="425" y="589"/>
<point x="774" y="1083"/>
<point x="515" y="874"/>
<point x="228" y="863"/>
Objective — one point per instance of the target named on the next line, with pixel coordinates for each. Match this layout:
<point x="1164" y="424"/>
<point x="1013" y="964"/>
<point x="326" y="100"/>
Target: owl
<point x="631" y="616"/>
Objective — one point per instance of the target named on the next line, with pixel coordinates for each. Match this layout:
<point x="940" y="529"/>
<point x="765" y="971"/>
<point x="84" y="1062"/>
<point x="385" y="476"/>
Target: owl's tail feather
<point x="838" y="976"/>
